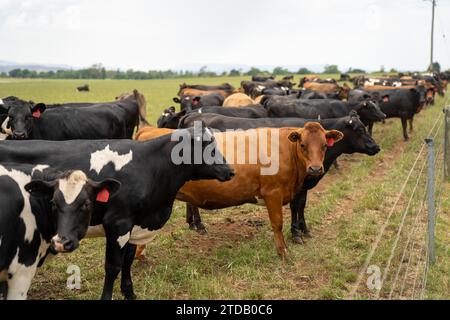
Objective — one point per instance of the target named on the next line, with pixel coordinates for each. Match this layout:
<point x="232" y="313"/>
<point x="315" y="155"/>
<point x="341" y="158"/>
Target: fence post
<point x="431" y="203"/>
<point x="447" y="144"/>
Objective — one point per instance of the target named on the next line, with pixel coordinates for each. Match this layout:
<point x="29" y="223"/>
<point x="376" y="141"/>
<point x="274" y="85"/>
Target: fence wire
<point x="405" y="256"/>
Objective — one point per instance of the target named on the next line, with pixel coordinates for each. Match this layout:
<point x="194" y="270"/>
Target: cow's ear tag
<point x="330" y="142"/>
<point x="37" y="113"/>
<point x="386" y="99"/>
<point x="103" y="196"/>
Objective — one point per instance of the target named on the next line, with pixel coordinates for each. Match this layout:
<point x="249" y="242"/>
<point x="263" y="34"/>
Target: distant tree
<point x="356" y="70"/>
<point x="235" y="73"/>
<point x="278" y="71"/>
<point x="304" y="71"/>
<point x="253" y="72"/>
<point x="393" y="70"/>
<point x="331" y="69"/>
<point x="435" y="67"/>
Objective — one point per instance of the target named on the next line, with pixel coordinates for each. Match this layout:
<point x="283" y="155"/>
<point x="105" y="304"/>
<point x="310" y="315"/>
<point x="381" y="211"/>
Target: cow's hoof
<point x="129" y="295"/>
<point x="202" y="231"/>
<point x="192" y="226"/>
<point x="307" y="234"/>
<point x="298" y="240"/>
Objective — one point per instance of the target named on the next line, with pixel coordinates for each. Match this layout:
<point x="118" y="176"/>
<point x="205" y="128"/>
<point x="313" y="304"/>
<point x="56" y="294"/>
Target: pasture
<point x="236" y="259"/>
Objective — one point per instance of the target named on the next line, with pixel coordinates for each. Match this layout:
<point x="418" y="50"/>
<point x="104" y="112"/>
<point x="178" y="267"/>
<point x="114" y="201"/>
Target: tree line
<point x="99" y="72"/>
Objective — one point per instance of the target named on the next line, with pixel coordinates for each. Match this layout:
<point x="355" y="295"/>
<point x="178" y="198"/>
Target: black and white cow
<point x="113" y="120"/>
<point x="40" y="221"/>
<point x="151" y="173"/>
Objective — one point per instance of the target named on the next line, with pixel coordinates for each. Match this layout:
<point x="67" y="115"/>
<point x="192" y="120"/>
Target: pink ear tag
<point x="386" y="99"/>
<point x="37" y="114"/>
<point x="103" y="196"/>
<point x="330" y="142"/>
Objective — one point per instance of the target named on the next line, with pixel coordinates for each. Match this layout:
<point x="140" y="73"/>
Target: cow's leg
<point x="274" y="204"/>
<point x="116" y="240"/>
<point x="3" y="290"/>
<point x="194" y="219"/>
<point x="126" y="284"/>
<point x="295" y="230"/>
<point x="301" y="214"/>
<point x="370" y="128"/>
<point x="411" y="126"/>
<point x="405" y="129"/>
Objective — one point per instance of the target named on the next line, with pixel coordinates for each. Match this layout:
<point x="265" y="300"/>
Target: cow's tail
<point x="142" y="103"/>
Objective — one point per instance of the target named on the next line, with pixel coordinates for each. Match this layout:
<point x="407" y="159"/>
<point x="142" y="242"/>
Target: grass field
<point x="237" y="259"/>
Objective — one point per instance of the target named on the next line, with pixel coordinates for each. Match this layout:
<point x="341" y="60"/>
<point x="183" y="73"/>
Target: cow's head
<point x="356" y="137"/>
<point x="21" y="116"/>
<point x="73" y="197"/>
<point x="312" y="142"/>
<point x="369" y="111"/>
<point x="188" y="103"/>
<point x="204" y="157"/>
<point x="170" y="118"/>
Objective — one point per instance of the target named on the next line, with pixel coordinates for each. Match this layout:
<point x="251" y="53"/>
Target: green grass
<point x="237" y="260"/>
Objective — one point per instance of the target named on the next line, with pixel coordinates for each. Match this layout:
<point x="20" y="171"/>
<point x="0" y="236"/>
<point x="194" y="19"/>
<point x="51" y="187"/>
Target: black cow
<point x="113" y="120"/>
<point x="280" y="107"/>
<point x="262" y="78"/>
<point x="84" y="88"/>
<point x="310" y="94"/>
<point x="255" y="89"/>
<point x="403" y="104"/>
<point x="356" y="140"/>
<point x="32" y="226"/>
<point x="190" y="103"/>
<point x="170" y="119"/>
<point x="151" y="173"/>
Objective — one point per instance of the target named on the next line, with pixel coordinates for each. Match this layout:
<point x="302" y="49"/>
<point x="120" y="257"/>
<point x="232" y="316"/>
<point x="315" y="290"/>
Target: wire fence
<point x="397" y="264"/>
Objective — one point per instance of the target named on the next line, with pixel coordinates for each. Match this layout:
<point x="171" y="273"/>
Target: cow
<point x="345" y="77"/>
<point x="279" y="107"/>
<point x="402" y="103"/>
<point x="237" y="100"/>
<point x="301" y="153"/>
<point x="355" y="140"/>
<point x="37" y="211"/>
<point x="309" y="94"/>
<point x="170" y="118"/>
<point x="150" y="173"/>
<point x="190" y="103"/>
<point x="288" y="78"/>
<point x="84" y="88"/>
<point x="329" y="88"/>
<point x="201" y="90"/>
<point x="113" y="120"/>
<point x="256" y="89"/>
<point x="262" y="78"/>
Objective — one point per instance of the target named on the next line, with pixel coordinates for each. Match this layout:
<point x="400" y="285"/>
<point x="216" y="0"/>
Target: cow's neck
<point x="299" y="166"/>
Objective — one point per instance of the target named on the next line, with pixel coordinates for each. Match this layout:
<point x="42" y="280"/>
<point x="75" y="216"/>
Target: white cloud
<point x="167" y="33"/>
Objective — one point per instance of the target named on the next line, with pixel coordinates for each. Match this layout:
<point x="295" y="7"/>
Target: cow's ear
<point x="38" y="109"/>
<point x="333" y="136"/>
<point x="40" y="188"/>
<point x="176" y="100"/>
<point x="296" y="136"/>
<point x="105" y="189"/>
<point x="196" y="99"/>
<point x="172" y="109"/>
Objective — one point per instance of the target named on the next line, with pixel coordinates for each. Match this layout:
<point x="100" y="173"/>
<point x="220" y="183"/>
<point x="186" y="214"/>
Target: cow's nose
<point x="19" y="135"/>
<point x="57" y="244"/>
<point x="315" y="170"/>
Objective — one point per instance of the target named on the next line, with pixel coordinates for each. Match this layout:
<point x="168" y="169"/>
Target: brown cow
<point x="201" y="90"/>
<point x="238" y="100"/>
<point x="329" y="88"/>
<point x="300" y="153"/>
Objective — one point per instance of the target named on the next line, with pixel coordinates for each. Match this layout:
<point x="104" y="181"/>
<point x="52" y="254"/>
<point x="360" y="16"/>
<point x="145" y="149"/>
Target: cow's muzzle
<point x="315" y="171"/>
<point x="61" y="245"/>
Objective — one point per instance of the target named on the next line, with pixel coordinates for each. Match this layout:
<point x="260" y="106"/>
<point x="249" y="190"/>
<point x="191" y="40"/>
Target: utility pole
<point x="433" y="4"/>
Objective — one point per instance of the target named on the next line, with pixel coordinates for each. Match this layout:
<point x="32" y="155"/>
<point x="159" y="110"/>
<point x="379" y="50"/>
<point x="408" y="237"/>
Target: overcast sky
<point x="154" y="34"/>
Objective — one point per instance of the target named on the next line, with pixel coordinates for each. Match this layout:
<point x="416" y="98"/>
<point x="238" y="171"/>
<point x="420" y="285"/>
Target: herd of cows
<point x="77" y="170"/>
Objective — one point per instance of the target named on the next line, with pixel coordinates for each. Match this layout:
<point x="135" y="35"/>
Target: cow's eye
<point x="303" y="146"/>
